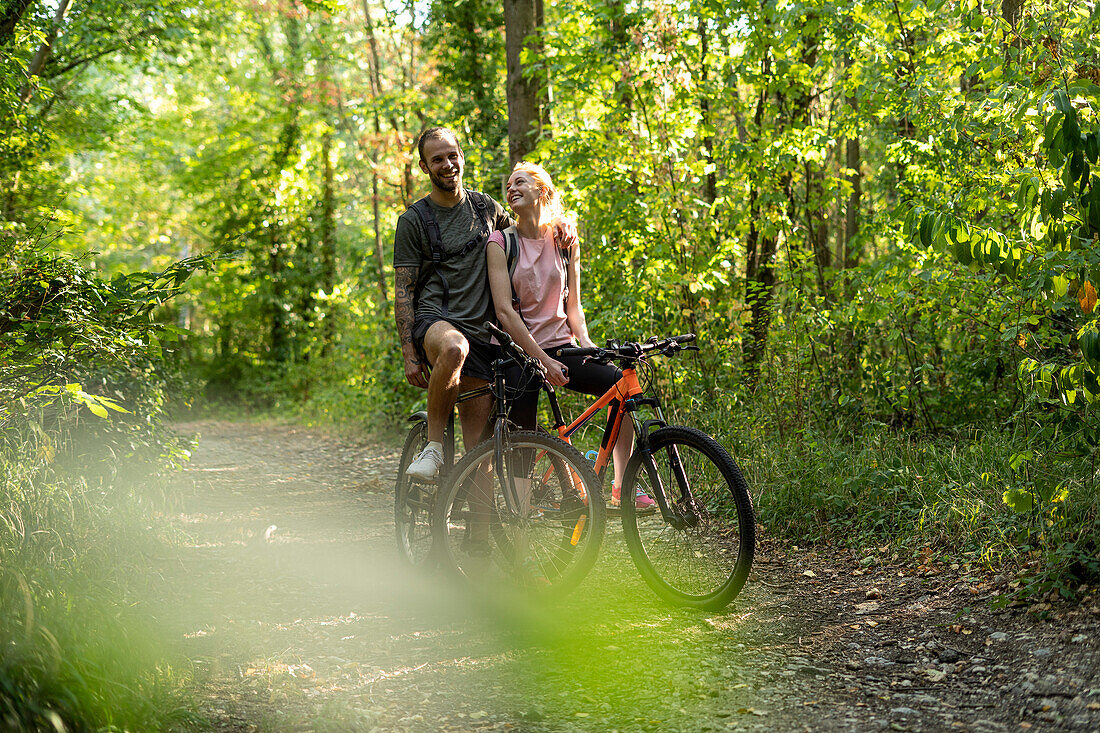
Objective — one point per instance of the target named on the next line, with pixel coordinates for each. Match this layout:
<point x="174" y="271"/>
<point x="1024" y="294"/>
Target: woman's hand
<point x="557" y="374"/>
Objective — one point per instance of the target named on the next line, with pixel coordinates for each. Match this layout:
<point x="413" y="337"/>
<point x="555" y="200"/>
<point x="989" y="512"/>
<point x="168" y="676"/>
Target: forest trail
<point x="312" y="626"/>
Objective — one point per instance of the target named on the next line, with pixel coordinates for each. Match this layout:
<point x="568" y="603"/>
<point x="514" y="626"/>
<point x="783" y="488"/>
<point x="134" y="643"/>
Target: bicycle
<point x="695" y="548"/>
<point x="522" y="508"/>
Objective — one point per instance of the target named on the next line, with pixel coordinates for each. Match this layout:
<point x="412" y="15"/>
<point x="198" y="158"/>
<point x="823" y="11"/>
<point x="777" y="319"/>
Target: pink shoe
<point x="641" y="499"/>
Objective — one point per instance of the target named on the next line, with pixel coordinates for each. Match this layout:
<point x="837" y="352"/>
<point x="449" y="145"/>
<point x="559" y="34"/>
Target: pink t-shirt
<point x="540" y="281"/>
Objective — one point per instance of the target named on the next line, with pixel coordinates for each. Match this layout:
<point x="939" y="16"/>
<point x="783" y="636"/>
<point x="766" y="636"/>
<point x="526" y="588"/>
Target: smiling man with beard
<point x="442" y="295"/>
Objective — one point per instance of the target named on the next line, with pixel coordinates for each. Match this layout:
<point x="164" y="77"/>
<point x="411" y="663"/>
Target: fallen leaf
<point x="810" y="574"/>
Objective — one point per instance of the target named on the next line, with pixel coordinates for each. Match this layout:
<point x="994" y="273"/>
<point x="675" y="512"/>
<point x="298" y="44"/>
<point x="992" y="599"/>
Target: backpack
<point x="511" y="251"/>
<point x="435" y="242"/>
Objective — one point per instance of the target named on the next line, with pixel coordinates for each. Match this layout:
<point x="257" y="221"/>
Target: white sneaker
<point x="426" y="465"/>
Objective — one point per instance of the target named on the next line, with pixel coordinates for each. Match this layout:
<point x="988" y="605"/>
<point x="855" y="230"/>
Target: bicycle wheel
<point x="699" y="556"/>
<point x="412" y="503"/>
<point x="545" y="547"/>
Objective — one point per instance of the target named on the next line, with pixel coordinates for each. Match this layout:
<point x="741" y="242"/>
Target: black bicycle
<point x="522" y="509"/>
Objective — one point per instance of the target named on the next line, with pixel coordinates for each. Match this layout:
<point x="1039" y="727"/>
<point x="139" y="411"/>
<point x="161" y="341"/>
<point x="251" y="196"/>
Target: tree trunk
<point x="43" y="54"/>
<point x="288" y="140"/>
<point x="1011" y="10"/>
<point x="523" y="92"/>
<point x="803" y="101"/>
<point x="759" y="286"/>
<point x="847" y="255"/>
<point x="710" y="181"/>
<point x="376" y="91"/>
<point x="759" y="261"/>
<point x="328" y="244"/>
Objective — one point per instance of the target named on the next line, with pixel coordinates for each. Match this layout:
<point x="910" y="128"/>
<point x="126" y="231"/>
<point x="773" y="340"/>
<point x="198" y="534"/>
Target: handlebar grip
<point x="501" y="335"/>
<point x="579" y="351"/>
<point x="687" y="338"/>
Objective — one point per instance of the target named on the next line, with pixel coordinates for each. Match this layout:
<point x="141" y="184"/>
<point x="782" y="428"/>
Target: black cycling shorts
<point x="479" y="362"/>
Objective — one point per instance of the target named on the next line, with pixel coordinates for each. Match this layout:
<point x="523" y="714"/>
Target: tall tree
<point x="376" y="117"/>
<point x="527" y="96"/>
<point x="34" y="69"/>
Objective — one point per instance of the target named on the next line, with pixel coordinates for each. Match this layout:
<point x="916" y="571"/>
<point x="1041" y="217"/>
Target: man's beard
<point x="450" y="185"/>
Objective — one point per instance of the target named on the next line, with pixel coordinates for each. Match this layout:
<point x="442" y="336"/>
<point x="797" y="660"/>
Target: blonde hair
<point x="553" y="212"/>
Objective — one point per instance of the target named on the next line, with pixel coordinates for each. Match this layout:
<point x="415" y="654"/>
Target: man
<point x="442" y="295"/>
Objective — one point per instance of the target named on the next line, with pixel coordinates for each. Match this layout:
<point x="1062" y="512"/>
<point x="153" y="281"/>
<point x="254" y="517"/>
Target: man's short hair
<point x="435" y="133"/>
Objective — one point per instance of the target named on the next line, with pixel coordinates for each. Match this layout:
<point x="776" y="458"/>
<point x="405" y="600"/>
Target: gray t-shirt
<point x="469" y="302"/>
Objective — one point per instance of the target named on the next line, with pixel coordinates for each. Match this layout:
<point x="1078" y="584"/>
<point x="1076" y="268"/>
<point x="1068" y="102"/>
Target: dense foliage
<point x="83" y="392"/>
<point x="881" y="218"/>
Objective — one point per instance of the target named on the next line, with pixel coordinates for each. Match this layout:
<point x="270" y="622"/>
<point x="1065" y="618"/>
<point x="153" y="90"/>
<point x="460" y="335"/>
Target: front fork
<point x="500" y="446"/>
<point x="685" y="513"/>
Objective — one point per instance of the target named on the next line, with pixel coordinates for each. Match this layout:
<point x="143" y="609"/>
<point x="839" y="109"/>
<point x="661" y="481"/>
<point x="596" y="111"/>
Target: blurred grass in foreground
<point x="77" y="633"/>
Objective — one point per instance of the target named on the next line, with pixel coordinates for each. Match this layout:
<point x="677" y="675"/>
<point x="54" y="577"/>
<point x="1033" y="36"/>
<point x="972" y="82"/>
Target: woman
<point x="549" y="315"/>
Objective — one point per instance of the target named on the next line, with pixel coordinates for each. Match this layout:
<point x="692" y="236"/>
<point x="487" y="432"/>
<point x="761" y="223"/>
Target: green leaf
<point x="927" y="222"/>
<point x="1061" y="102"/>
<point x="1092" y="147"/>
<point x="1078" y="168"/>
<point x="1071" y="132"/>
<point x="1018" y="459"/>
<point x="1061" y="286"/>
<point x="1020" y="501"/>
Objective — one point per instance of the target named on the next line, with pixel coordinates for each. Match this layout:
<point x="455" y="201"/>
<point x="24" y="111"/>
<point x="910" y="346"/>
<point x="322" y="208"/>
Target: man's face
<point x="443" y="163"/>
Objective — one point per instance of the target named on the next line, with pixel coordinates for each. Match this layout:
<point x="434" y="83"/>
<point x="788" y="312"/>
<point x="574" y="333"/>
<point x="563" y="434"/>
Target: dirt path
<point x="312" y="626"/>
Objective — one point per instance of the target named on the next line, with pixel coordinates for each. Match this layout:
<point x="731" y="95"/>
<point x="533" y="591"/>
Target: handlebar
<point x="516" y="351"/>
<point x="628" y="351"/>
<point x="633" y="350"/>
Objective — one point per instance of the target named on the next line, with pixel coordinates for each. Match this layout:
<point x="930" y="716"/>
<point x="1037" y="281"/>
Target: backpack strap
<point x="511" y="252"/>
<point x="435" y="245"/>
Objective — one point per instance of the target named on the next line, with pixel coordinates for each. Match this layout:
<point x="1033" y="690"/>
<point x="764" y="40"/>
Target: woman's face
<point x="522" y="192"/>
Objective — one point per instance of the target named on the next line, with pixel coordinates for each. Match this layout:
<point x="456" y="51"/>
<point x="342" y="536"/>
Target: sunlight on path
<point x="296" y="614"/>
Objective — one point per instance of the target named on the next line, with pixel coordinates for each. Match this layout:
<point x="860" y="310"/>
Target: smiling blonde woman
<point x="539" y="304"/>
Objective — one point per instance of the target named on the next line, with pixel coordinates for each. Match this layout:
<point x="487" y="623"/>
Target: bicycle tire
<point x="702" y="565"/>
<point x="412" y="504"/>
<point x="545" y="552"/>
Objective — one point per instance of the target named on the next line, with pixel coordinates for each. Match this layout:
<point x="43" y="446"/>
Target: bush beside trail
<point x="83" y="456"/>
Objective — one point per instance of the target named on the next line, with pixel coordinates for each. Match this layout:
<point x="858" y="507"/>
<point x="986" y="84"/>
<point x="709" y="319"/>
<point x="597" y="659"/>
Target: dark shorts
<point x="479" y="362"/>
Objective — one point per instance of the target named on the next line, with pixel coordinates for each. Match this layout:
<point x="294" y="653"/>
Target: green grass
<point x="945" y="493"/>
<point x="81" y="649"/>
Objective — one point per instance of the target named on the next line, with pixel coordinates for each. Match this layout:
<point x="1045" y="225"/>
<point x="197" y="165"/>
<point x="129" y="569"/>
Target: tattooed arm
<point x="405" y="281"/>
